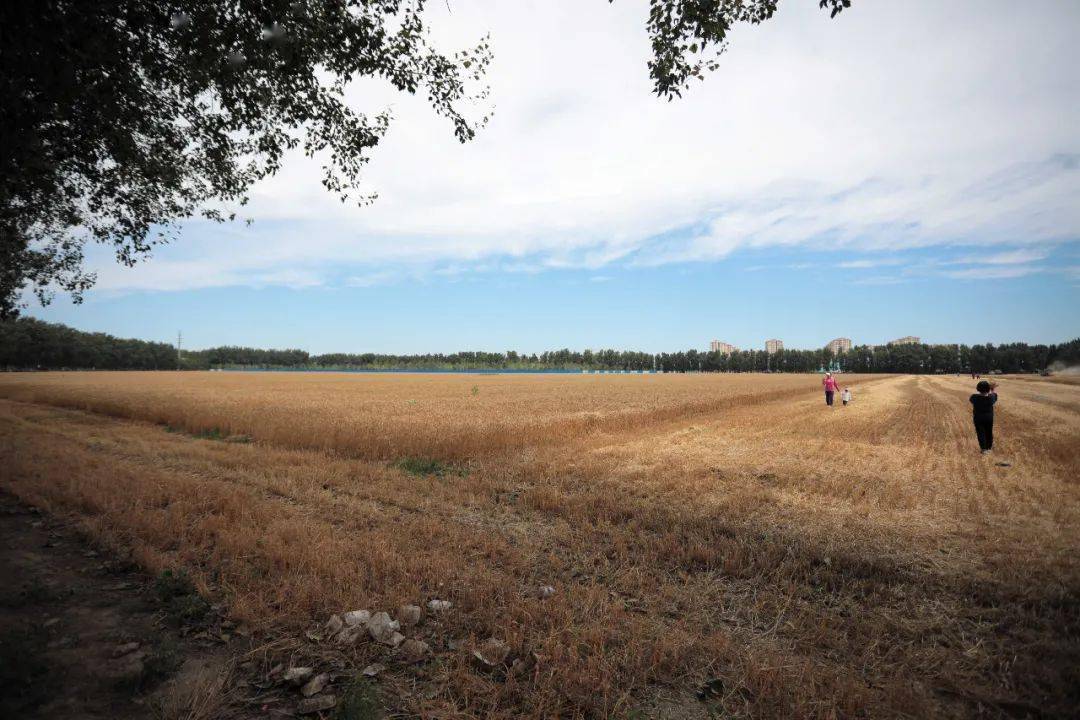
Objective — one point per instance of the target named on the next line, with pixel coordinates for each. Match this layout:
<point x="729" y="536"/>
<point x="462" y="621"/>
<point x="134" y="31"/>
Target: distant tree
<point x="28" y="344"/>
<point x="1065" y="355"/>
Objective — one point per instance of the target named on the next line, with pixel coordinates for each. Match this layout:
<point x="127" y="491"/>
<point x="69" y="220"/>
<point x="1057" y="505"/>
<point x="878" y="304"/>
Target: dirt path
<point x="82" y="636"/>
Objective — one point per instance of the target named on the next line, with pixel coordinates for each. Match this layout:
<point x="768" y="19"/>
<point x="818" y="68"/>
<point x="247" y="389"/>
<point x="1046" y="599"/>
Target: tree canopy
<point x="689" y="35"/>
<point x="124" y="117"/>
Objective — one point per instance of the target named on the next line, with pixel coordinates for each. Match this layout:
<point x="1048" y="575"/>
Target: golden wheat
<point x="383" y="417"/>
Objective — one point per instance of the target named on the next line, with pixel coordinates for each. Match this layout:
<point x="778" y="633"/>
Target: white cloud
<point x="894" y="126"/>
<point x="183" y="274"/>
<point x="1009" y="257"/>
<point x="995" y="273"/>
<point x="881" y="262"/>
<point x="877" y="216"/>
<point x="880" y="280"/>
<point x="372" y="279"/>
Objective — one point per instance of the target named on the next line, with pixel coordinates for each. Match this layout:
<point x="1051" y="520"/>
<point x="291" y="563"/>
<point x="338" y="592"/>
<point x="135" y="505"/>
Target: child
<point x="846" y="396"/>
<point x="982" y="407"/>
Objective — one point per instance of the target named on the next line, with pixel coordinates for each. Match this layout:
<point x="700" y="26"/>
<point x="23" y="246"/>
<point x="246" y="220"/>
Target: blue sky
<point x="907" y="168"/>
<point x="805" y="298"/>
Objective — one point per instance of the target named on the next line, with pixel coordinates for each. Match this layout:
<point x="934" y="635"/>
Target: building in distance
<point x="906" y="340"/>
<point x="722" y="347"/>
<point x="772" y="346"/>
<point x="839" y="345"/>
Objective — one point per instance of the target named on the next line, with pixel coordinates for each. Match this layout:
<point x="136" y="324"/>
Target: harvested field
<point x="724" y="529"/>
<point x="383" y="417"/>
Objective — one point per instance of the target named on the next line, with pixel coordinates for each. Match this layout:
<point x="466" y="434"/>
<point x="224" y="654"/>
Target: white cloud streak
<point x="995" y="273"/>
<point x="1010" y="257"/>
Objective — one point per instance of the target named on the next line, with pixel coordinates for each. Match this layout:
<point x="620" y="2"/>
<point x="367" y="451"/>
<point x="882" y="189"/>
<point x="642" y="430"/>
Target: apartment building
<point x="839" y="345"/>
<point x="723" y="347"/>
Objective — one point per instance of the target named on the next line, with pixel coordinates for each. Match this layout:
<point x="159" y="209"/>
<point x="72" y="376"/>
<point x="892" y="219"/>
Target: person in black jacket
<point x="982" y="406"/>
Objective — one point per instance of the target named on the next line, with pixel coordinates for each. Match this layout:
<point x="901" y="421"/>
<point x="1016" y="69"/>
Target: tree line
<point x="31" y="344"/>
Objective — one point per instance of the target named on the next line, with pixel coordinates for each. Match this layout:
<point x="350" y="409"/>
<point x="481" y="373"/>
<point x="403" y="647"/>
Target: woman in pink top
<point x="830" y="385"/>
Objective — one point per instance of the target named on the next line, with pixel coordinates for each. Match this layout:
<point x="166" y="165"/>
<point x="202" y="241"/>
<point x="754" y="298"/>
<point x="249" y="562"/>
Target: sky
<point x="907" y="168"/>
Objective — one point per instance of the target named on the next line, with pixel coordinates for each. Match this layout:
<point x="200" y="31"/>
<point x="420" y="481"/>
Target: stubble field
<point x="724" y="529"/>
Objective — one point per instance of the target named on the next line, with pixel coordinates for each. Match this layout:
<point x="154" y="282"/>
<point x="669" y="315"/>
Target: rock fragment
<point x="372" y="670"/>
<point x="356" y="617"/>
<point x="311" y="705"/>
<point x="545" y="591"/>
<point x="349" y="635"/>
<point x="334" y="624"/>
<point x="315" y="685"/>
<point x="409" y="615"/>
<point x="298" y="675"/>
<point x="121" y="650"/>
<point x="384" y="630"/>
<point x="439" y="605"/>
<point x="414" y="651"/>
<point x="523" y="665"/>
<point x="492" y="652"/>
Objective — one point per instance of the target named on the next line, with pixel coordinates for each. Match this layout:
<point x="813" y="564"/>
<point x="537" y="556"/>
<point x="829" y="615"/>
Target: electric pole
<point x="179" y="357"/>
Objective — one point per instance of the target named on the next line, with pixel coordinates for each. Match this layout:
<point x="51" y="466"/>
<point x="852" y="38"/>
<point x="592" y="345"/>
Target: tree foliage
<point x="122" y="117"/>
<point x="688" y="36"/>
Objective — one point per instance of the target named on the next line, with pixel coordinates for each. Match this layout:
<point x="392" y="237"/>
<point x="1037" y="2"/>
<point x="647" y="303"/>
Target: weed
<point x="161" y="662"/>
<point x="171" y="584"/>
<point x="422" y="467"/>
<point x="211" y="434"/>
<point x="214" y="433"/>
<point x="182" y="601"/>
<point x="358" y="702"/>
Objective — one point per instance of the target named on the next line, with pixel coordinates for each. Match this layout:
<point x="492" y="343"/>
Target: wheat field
<point x="381" y="417"/>
<point x="727" y="530"/>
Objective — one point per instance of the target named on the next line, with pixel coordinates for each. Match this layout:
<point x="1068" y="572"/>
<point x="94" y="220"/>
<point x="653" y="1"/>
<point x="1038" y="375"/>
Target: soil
<point x="84" y="635"/>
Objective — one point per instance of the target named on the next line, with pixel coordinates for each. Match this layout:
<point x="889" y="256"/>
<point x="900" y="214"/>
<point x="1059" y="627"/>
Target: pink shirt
<point x="830" y="384"/>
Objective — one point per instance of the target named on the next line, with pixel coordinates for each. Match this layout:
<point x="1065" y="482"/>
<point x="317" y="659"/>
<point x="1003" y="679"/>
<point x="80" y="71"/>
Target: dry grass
<point x="863" y="561"/>
<point x="197" y="693"/>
